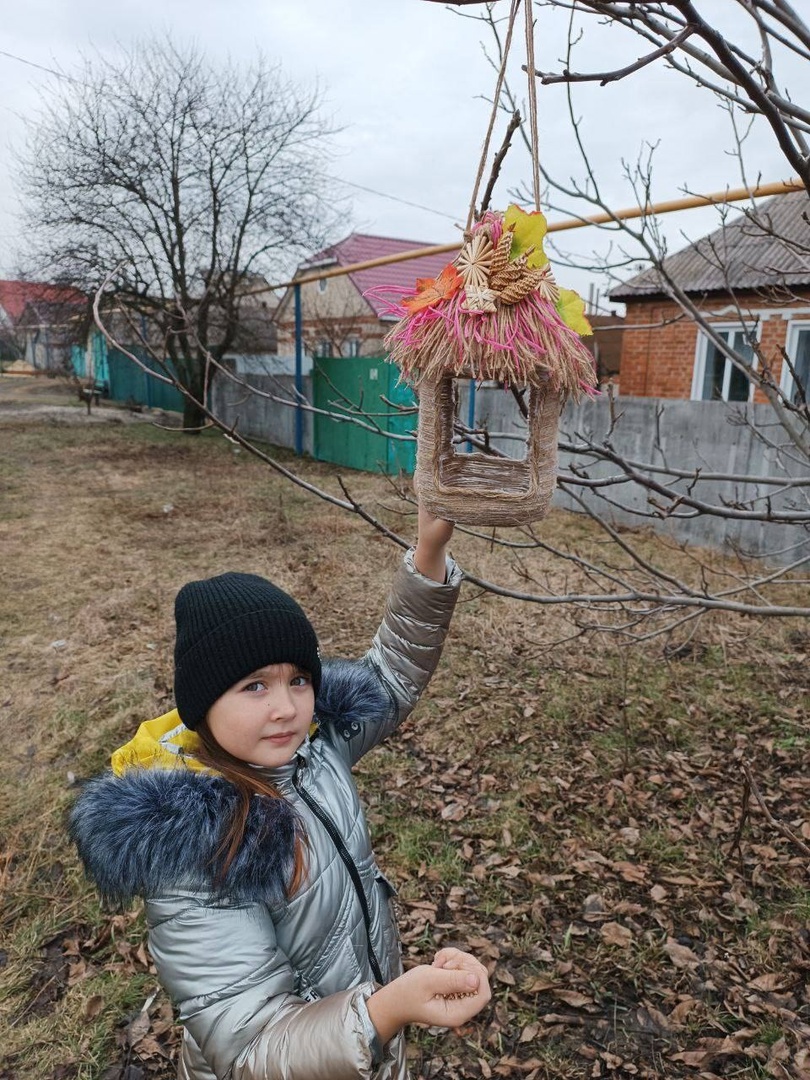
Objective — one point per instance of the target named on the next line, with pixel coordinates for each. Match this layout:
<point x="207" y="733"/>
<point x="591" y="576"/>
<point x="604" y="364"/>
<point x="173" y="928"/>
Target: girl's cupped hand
<point x="447" y="993"/>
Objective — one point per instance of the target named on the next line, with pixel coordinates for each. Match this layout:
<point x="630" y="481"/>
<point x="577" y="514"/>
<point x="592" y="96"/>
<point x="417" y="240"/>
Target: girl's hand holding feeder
<point x="431" y="545"/>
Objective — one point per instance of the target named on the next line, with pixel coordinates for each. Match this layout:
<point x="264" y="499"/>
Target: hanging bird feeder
<point x="494" y="313"/>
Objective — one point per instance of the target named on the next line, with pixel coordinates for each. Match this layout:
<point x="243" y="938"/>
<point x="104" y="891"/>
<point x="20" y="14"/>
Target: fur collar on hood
<point x="154" y="830"/>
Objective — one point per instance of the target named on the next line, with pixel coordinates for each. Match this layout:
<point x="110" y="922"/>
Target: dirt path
<point x="30" y="397"/>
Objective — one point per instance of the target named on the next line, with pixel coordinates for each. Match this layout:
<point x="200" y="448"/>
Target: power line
<point x="393" y="198"/>
<point x="39" y="67"/>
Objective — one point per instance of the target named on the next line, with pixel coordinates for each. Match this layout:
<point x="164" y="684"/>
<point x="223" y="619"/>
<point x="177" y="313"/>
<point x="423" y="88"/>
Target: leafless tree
<point x="12" y="346"/>
<point x="178" y="182"/>
<point x="335" y="328"/>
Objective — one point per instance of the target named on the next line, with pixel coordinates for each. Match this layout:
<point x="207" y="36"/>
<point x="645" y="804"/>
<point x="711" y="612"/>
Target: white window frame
<point x="702" y="346"/>
<point x="795" y="327"/>
<point x="353" y="346"/>
<point x="323" y="284"/>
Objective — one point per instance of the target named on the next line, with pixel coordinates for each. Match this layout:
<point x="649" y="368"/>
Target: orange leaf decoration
<point x="433" y="291"/>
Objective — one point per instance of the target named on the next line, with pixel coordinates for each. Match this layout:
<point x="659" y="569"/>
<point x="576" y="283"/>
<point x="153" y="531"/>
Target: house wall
<point x="659" y="343"/>
<point x="336" y="314"/>
<point x="11" y="347"/>
<point x="46" y="349"/>
<point x="606" y="345"/>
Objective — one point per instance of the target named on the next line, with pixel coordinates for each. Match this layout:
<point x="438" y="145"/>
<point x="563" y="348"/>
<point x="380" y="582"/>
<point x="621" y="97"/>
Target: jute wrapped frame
<point x="476" y="488"/>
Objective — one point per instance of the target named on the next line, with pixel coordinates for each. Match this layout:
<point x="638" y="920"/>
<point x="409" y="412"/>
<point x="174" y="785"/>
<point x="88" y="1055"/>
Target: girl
<point x="237" y="818"/>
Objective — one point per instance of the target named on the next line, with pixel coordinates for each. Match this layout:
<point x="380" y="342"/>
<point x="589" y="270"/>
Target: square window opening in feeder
<point x="508" y="418"/>
<point x="473" y="470"/>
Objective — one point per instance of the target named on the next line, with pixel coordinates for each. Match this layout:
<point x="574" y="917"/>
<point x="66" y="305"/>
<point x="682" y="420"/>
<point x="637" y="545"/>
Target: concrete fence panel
<point x="259" y="417"/>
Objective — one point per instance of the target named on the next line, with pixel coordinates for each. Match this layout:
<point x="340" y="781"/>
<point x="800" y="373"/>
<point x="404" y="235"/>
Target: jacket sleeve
<point x="235" y="991"/>
<point x="406" y="649"/>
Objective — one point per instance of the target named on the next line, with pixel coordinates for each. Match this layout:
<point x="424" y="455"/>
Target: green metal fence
<point x="129" y="382"/>
<point x="98" y="359"/>
<point x="78" y="360"/>
<point x="367" y="385"/>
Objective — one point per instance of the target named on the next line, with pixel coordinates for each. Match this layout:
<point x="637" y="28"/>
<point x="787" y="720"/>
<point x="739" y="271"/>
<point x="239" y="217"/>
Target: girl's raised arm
<point x="409" y="642"/>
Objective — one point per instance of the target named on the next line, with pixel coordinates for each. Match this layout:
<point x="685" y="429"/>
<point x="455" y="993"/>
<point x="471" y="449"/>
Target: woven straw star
<point x="478" y="299"/>
<point x="475" y="259"/>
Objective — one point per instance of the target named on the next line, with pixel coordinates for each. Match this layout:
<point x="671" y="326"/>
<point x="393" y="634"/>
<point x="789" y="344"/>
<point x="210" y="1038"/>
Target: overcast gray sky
<point x="403" y="80"/>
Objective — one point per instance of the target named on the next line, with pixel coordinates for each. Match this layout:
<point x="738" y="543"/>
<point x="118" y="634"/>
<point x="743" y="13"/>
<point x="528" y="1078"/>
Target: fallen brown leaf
<point x="680" y="955"/>
<point x="614" y="933"/>
<point x="630" y="871"/>
<point x="678" y="1015"/>
<point x="573" y="998"/>
<point x="93" y="1007"/>
<point x="137" y="1029"/>
<point x="529" y="1033"/>
<point x="768" y="982"/>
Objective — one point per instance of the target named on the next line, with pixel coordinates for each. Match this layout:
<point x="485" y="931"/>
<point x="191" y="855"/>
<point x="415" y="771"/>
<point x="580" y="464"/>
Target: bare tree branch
<point x="605" y="77"/>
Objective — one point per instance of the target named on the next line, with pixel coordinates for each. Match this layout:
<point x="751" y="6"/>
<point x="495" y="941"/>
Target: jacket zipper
<point x="343" y="852"/>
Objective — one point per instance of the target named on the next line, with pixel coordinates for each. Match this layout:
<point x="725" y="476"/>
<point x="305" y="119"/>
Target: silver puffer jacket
<point x="270" y="988"/>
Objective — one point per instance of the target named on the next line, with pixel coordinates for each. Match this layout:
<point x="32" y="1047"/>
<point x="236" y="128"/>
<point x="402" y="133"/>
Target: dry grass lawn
<point x="573" y="815"/>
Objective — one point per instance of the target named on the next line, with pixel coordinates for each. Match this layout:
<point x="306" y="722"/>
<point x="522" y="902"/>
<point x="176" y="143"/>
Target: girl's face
<point x="265" y="717"/>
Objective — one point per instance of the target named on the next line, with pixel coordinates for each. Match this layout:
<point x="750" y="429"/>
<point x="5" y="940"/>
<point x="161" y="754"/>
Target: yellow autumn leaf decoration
<point x="571" y="309"/>
<point x="528" y="231"/>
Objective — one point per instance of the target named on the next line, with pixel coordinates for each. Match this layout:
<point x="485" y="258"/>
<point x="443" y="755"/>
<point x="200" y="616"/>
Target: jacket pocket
<point x="389" y="919"/>
<point x="385" y="883"/>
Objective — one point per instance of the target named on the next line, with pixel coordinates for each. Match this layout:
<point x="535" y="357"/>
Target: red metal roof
<point x="360" y="247"/>
<point x="14" y="295"/>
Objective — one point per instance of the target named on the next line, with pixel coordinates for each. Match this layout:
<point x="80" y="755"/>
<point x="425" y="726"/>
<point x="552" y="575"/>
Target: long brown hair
<point x="248" y="782"/>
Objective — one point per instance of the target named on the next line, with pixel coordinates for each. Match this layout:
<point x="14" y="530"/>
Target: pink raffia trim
<point x="384" y="294"/>
<point x="493" y="223"/>
<point x="521" y="344"/>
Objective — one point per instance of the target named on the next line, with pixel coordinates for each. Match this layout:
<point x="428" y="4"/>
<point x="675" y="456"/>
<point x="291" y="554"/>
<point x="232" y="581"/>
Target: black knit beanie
<point x="228" y="627"/>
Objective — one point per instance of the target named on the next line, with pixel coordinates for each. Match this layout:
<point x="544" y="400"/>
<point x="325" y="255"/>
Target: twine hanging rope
<point x="530" y="68"/>
<point x="495" y="101"/>
<point x="497" y="312"/>
<point x="490" y="315"/>
<point x="532" y="95"/>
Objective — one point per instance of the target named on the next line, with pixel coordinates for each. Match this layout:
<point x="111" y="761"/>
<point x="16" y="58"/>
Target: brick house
<point x="337" y="318"/>
<point x="748" y="281"/>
